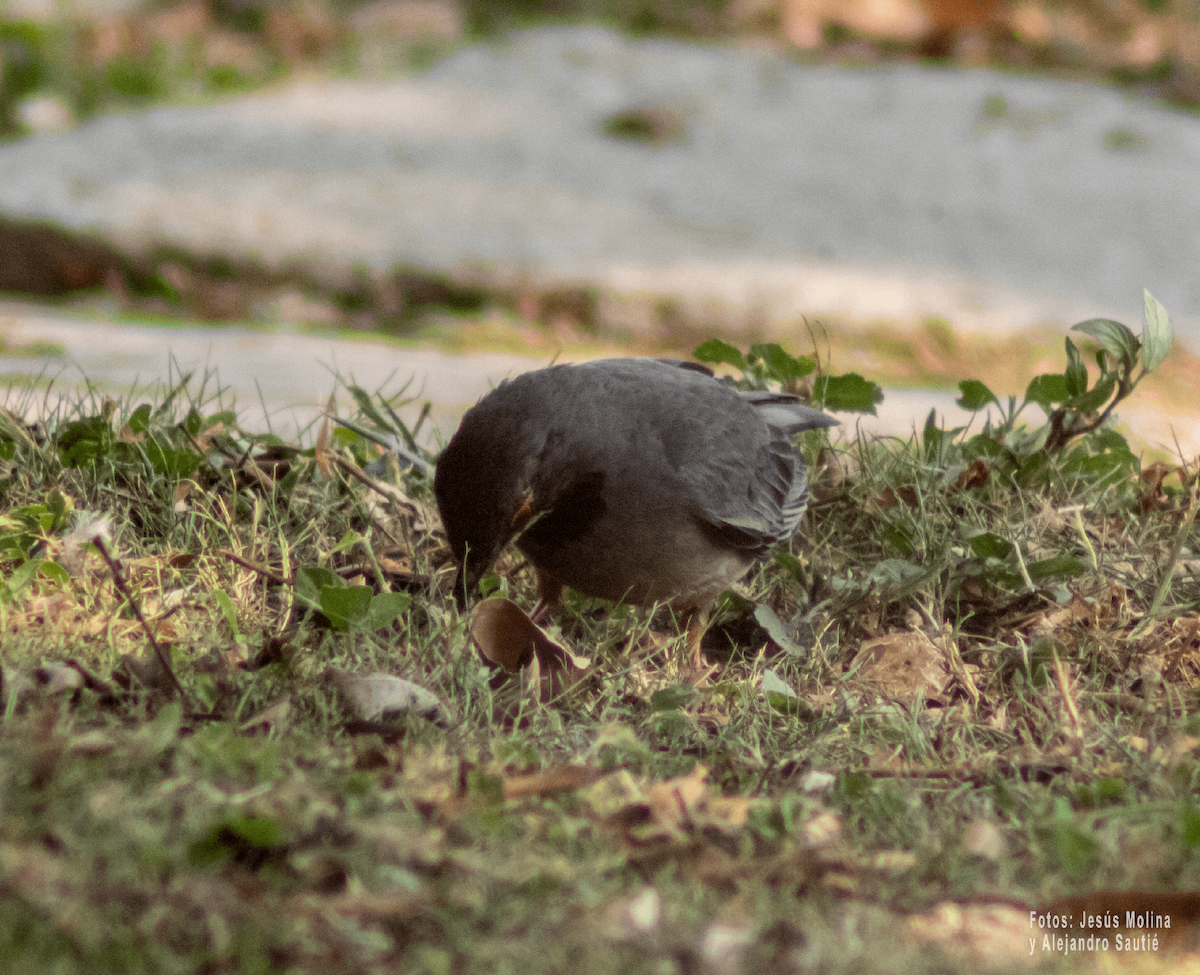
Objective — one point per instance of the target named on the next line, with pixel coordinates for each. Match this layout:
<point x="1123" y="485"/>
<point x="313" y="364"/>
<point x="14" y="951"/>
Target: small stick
<point x="263" y="571"/>
<point x="118" y="576"/>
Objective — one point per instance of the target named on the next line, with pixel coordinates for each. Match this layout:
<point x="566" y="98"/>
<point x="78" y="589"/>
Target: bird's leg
<point x="696" y="620"/>
<point x="698" y="669"/>
<point x="550" y="594"/>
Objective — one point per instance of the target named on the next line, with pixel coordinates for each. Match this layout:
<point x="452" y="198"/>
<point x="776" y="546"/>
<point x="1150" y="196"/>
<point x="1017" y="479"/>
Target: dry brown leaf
<point x="503" y="633"/>
<point x="665" y="811"/>
<point x="891" y="497"/>
<point x="54" y="677"/>
<point x="823" y="829"/>
<point x="903" y="667"/>
<point x="638" y="914"/>
<point x="321" y="452"/>
<point x="977" y="475"/>
<point x="550" y="782"/>
<point x="91" y="744"/>
<point x="893" y="20"/>
<point x="508" y="638"/>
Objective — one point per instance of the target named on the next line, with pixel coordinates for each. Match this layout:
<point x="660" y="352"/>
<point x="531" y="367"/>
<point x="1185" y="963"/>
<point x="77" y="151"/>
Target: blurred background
<point x="448" y="192"/>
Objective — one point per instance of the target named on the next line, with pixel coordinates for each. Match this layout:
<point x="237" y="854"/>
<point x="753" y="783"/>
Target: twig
<point x="266" y="573"/>
<point x="118" y="576"/>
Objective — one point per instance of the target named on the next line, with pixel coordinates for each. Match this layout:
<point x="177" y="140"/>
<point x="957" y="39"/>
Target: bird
<point x="639" y="480"/>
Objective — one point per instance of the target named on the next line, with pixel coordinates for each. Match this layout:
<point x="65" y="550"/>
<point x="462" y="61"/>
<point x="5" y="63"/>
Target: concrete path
<point x="282" y="381"/>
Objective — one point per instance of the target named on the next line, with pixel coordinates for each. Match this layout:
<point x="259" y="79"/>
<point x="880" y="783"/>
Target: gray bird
<point x="642" y="480"/>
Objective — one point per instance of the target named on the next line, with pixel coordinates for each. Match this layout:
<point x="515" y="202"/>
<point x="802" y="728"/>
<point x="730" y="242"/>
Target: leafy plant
<point x="1074" y="411"/>
<point x="769" y="363"/>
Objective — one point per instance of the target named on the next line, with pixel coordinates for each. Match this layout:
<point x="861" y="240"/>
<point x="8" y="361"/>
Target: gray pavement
<point x="994" y="200"/>
<point x="282" y="381"/>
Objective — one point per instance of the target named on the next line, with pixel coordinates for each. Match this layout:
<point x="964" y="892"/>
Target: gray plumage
<point x="634" y="479"/>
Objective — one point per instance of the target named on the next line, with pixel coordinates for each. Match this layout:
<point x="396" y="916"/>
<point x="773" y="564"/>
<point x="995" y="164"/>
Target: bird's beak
<point x="466" y="580"/>
<point x="460" y="588"/>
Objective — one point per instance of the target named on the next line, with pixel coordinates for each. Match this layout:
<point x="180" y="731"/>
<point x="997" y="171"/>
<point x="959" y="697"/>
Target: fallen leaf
<point x="550" y="782"/>
<point x="903" y="667"/>
<point x="384" y="697"/>
<point x="508" y="638"/>
<point x="976" y="475"/>
<point x="891" y="497"/>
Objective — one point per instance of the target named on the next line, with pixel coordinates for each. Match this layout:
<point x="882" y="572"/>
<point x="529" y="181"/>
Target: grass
<point x="807" y="809"/>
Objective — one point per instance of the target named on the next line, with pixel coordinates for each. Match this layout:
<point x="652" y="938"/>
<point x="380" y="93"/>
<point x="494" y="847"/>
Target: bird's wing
<point x="753" y="483"/>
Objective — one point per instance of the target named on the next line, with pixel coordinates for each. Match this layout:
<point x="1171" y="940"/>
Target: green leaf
<point x="1077" y="850"/>
<point x="1116" y="339"/>
<point x="173" y="462"/>
<point x="791" y="565"/>
<point x="81" y="442"/>
<point x="989" y="545"/>
<point x="55" y="572"/>
<point x="778" y="693"/>
<point x="672" y="698"/>
<point x="1189" y="825"/>
<point x="386" y="608"/>
<point x="228" y="610"/>
<point x="347" y="541"/>
<point x="849" y="393"/>
<point x="782" y="366"/>
<point x="1076" y="373"/>
<point x="1059" y="565"/>
<point x="975" y="395"/>
<point x="1097" y="396"/>
<point x="139" y="419"/>
<point x="367" y="407"/>
<point x="1047" y="390"/>
<point x="932" y="437"/>
<point x="1156" y="333"/>
<point x="346" y="607"/>
<point x="310" y="580"/>
<point x="900" y="538"/>
<point x="22" y="576"/>
<point x="714" y="350"/>
<point x="770" y="622"/>
<point x="255" y="830"/>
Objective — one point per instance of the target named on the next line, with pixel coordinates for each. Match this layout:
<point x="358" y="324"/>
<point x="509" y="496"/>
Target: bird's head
<point x="484" y="500"/>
